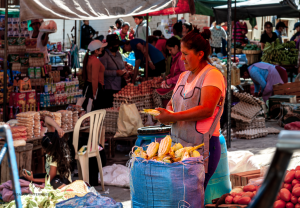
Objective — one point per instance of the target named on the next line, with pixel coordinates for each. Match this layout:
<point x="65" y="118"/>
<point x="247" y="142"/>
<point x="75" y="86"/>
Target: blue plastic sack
<point x="164" y="185"/>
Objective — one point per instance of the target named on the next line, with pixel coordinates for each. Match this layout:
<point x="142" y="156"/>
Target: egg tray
<point x="246" y="109"/>
<point x="258" y="122"/>
<point x="272" y="130"/>
<point x="246" y="97"/>
<point x="252" y="133"/>
<point x="242" y="118"/>
<point x="224" y="133"/>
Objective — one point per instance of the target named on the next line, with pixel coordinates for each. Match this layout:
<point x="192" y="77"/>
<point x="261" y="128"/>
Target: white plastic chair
<point x="96" y="124"/>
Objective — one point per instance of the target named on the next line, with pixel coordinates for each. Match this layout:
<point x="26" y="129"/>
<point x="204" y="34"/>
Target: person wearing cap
<point x="114" y="68"/>
<point x="87" y="34"/>
<point x="42" y="37"/>
<point x="297" y="28"/>
<point x="93" y="75"/>
<point x="156" y="60"/>
<point x="280" y="26"/>
<point x="124" y="33"/>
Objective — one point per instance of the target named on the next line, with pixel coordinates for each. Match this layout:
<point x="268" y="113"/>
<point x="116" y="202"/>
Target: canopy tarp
<point x="89" y="9"/>
<point x="256" y="8"/>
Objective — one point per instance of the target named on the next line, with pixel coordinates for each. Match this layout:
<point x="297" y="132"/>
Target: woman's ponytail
<point x="85" y="62"/>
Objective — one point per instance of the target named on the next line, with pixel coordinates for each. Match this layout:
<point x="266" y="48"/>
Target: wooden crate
<point x="226" y="205"/>
<point x="252" y="58"/>
<point x="292" y="88"/>
<point x="242" y="179"/>
<point x="23" y="157"/>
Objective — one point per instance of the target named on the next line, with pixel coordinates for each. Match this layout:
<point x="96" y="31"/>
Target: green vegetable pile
<point x="283" y="54"/>
<point x="252" y="47"/>
<point x="237" y="45"/>
<point x="40" y="198"/>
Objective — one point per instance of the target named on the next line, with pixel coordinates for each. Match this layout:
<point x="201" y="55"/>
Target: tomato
<point x="279" y="204"/>
<point x="248" y="194"/>
<point x="289" y="177"/>
<point x="295" y="181"/>
<point x="285" y="195"/>
<point x="289" y="205"/>
<point x="254" y="193"/>
<point x="228" y="200"/>
<point x="296" y="186"/>
<point x="233" y="194"/>
<point x="245" y="200"/>
<point x="297" y="174"/>
<point x="297" y="206"/>
<point x="236" y="198"/>
<point x="294" y="199"/>
<point x="249" y="188"/>
<point x="296" y="192"/>
<point x="288" y="186"/>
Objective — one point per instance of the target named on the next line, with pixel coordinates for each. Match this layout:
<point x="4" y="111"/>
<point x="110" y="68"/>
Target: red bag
<point x="18" y="129"/>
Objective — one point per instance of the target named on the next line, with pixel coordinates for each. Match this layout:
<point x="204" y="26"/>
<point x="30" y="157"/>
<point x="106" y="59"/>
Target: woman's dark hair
<point x="268" y="24"/>
<point x="59" y="151"/>
<point x="157" y="33"/>
<point x="198" y="41"/>
<point x="189" y="26"/>
<point x="119" y="21"/>
<point x="243" y="69"/>
<point x="85" y="62"/>
<point x="125" y="24"/>
<point x="152" y="39"/>
<point x="139" y="17"/>
<point x="172" y="42"/>
<point x="178" y="28"/>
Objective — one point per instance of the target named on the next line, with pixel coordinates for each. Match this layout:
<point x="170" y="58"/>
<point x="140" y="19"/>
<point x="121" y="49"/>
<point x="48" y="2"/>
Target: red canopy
<point x="183" y="6"/>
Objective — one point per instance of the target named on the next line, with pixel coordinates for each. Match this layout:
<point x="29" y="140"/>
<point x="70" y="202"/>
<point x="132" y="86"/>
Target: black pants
<point x="108" y="98"/>
<point x="217" y="50"/>
<point x="56" y="182"/>
<point x="98" y="103"/>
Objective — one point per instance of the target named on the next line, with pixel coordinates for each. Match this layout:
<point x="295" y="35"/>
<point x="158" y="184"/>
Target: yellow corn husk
<point x="180" y="152"/>
<point x="166" y="161"/>
<point x="165" y="146"/>
<point x="143" y="155"/>
<point x="195" y="153"/>
<point x="167" y="158"/>
<point x="171" y="153"/>
<point x="152" y="149"/>
<point x="136" y="153"/>
<point x="152" y="112"/>
<point x="185" y="155"/>
<point x="139" y="152"/>
<point x="177" y="146"/>
<point x="177" y="159"/>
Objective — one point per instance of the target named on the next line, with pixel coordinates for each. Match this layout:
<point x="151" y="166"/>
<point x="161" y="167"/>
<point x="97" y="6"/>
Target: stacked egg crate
<point x="111" y="120"/>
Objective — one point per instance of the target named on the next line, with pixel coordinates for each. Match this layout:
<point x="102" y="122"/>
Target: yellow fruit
<point x="177" y="146"/>
<point x="180" y="152"/>
<point x="164" y="146"/>
<point x="196" y="153"/>
<point x="152" y="112"/>
<point x="152" y="149"/>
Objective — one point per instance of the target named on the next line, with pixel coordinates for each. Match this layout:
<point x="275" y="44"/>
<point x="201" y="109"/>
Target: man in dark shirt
<point x="297" y="28"/>
<point x="87" y="34"/>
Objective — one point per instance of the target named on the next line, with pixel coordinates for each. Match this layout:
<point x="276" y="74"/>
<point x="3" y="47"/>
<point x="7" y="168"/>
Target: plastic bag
<point x="115" y="175"/>
<point x="18" y="129"/>
<point x="157" y="184"/>
<point x="48" y="26"/>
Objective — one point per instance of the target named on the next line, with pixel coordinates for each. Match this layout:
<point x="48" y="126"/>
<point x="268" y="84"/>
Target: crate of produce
<point x="242" y="179"/>
<point x="252" y="58"/>
<point x="275" y="103"/>
<point x="23" y="157"/>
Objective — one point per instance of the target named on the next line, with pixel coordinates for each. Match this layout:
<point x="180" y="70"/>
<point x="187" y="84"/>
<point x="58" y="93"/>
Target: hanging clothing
<point x="264" y="75"/>
<point x="39" y="44"/>
<point x="74" y="56"/>
<point x="240" y="32"/>
<point x="186" y="96"/>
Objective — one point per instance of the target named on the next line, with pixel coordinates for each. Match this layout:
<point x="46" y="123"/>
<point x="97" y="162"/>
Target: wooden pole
<point x="229" y="76"/>
<point x="5" y="111"/>
<point x="147" y="42"/>
<point x="75" y="43"/>
<point x="234" y="32"/>
<point x="64" y="35"/>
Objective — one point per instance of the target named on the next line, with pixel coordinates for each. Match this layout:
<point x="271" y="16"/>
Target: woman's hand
<point x="165" y="116"/>
<point x="60" y="132"/>
<point x="29" y="178"/>
<point x="120" y="72"/>
<point x="151" y="65"/>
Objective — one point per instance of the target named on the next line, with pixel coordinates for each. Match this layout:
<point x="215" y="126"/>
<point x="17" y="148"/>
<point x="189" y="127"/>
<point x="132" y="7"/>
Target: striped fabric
<point x="238" y="34"/>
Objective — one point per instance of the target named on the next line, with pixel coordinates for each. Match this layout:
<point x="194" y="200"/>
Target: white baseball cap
<point x="96" y="44"/>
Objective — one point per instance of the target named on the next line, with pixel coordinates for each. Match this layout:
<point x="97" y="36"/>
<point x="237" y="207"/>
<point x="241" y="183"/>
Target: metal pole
<point x="5" y="64"/>
<point x="229" y="76"/>
<point x="234" y="32"/>
<point x="147" y="42"/>
<point x="75" y="42"/>
<point x="64" y="35"/>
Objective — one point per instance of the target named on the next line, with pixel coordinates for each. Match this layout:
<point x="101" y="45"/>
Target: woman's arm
<point x="169" y="106"/>
<point x="180" y="68"/>
<point x="210" y="97"/>
<point x="136" y="70"/>
<point x="262" y="46"/>
<point x="258" y="78"/>
<point x="52" y="125"/>
<point x="45" y="39"/>
<point x="142" y="48"/>
<point x="52" y="173"/>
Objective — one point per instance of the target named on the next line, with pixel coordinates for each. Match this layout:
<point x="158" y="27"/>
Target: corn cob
<point x="176" y="147"/>
<point x="152" y="112"/>
<point x="180" y="152"/>
<point x="165" y="146"/>
<point x="195" y="153"/>
<point x="152" y="149"/>
<point x="185" y="155"/>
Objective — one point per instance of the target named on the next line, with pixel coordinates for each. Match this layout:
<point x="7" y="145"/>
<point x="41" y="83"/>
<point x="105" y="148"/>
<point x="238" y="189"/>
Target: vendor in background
<point x="161" y="42"/>
<point x="93" y="75"/>
<point x="239" y="32"/>
<point x="268" y="36"/>
<point x="156" y="60"/>
<point x="117" y="27"/>
<point x="264" y="76"/>
<point x="167" y="86"/>
<point x="177" y="30"/>
<point x="217" y="33"/>
<point x="42" y="38"/>
<point x="114" y="69"/>
<point x="152" y="40"/>
<point x="297" y="34"/>
<point x="186" y="28"/>
<point x="141" y="28"/>
<point x="197" y="102"/>
<point x="124" y="33"/>
<point x="87" y="34"/>
<point x="280" y="26"/>
<point x="58" y="158"/>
